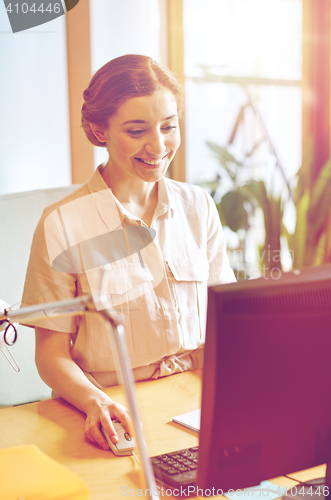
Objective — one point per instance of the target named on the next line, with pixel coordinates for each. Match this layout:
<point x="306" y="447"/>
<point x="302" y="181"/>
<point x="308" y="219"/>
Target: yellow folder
<point x="27" y="473"/>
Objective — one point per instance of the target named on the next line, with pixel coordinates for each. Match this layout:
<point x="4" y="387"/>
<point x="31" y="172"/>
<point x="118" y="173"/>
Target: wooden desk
<point x="57" y="428"/>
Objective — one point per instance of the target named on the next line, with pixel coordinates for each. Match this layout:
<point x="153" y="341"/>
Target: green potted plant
<point x="310" y="242"/>
<point x="241" y="200"/>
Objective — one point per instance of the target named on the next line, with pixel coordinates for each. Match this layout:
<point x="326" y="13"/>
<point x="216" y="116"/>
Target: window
<point x="233" y="40"/>
<point x="238" y="51"/>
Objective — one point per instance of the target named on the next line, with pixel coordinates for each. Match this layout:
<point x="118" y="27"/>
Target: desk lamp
<point x="77" y="306"/>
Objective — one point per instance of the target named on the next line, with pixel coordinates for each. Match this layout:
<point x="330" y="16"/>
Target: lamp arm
<point x="81" y="305"/>
<point x="68" y="307"/>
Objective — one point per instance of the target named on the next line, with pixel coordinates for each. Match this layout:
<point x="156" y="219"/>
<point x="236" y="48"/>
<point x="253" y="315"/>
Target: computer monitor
<point x="266" y="396"/>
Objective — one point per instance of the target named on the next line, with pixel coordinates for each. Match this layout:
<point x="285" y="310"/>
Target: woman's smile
<point x="143" y="137"/>
<point x="152" y="163"/>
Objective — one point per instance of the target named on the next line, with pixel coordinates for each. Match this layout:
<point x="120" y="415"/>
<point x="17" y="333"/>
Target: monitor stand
<point x="315" y="489"/>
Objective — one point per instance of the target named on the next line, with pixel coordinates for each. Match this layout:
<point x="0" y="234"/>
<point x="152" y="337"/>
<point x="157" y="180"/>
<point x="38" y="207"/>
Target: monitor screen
<point x="266" y="396"/>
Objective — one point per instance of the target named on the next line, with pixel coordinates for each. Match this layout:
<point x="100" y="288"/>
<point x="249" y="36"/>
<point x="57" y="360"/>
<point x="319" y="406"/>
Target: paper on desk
<point x="26" y="472"/>
<point x="266" y="490"/>
<point x="190" y="420"/>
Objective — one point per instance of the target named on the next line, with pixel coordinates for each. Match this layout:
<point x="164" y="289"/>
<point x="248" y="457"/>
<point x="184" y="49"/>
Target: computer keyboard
<point x="178" y="468"/>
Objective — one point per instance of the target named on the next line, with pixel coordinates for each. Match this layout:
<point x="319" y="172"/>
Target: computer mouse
<point x="125" y="444"/>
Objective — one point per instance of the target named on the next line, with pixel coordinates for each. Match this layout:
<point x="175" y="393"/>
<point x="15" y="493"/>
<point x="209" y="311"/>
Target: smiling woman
<point x="131" y="107"/>
<point x="120" y="79"/>
<point x="156" y="243"/>
<point x="142" y="138"/>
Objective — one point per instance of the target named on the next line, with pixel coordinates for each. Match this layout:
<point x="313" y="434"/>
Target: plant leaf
<point x="301" y="231"/>
<point x="321" y="184"/>
<point x="232" y="206"/>
<point x="211" y="185"/>
<point x="223" y="153"/>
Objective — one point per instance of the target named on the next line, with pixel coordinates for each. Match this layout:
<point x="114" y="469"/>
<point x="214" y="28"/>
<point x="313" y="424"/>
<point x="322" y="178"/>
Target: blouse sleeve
<point x="44" y="284"/>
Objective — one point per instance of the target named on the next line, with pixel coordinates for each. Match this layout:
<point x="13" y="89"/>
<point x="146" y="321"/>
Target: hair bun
<point x="124" y="78"/>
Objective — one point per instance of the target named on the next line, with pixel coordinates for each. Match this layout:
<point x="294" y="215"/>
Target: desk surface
<point x="57" y="429"/>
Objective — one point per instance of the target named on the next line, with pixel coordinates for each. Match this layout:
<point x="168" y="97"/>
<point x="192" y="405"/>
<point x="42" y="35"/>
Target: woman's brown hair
<point x="120" y="79"/>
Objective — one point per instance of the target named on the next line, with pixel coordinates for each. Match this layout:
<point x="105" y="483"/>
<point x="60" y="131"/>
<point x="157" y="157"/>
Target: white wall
<point x="34" y="130"/>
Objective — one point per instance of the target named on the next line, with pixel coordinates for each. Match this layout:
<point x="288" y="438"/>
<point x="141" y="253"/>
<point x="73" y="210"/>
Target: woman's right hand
<point x="58" y="370"/>
<point x="103" y="413"/>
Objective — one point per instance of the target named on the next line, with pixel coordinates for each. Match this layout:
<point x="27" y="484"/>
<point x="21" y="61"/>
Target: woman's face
<point x="143" y="136"/>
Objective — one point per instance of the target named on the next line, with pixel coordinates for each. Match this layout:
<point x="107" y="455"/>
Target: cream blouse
<point x="161" y="290"/>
